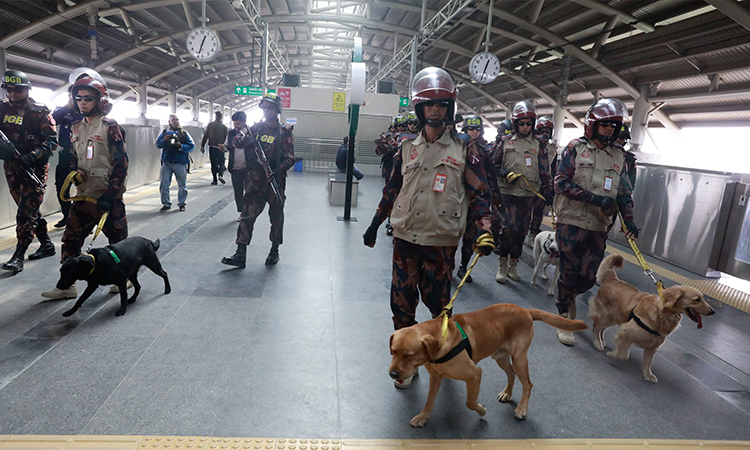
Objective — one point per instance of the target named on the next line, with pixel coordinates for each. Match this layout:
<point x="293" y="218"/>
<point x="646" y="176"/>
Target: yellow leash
<point x="75" y="176"/>
<point x="538" y="194"/>
<point x="488" y="241"/>
<point x="644" y="265"/>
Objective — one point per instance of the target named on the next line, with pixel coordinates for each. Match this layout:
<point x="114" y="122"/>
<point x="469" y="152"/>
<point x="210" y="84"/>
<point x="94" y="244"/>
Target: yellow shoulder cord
<point x="644" y="265"/>
<point x="75" y="176"/>
<point x="93" y="262"/>
<point x="447" y="308"/>
<point x="538" y="194"/>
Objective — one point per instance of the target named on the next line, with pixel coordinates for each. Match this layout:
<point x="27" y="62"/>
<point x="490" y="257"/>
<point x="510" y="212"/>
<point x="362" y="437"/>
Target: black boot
<point x="47" y="248"/>
<point x="462" y="272"/>
<point x="15" y="264"/>
<point x="238" y="259"/>
<point x="273" y="255"/>
<point x="388" y="229"/>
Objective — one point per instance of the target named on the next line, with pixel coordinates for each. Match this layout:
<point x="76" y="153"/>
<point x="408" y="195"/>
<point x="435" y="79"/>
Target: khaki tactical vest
<point x="96" y="164"/>
<point x="520" y="155"/>
<point x="432" y="206"/>
<point x="595" y="170"/>
<point x="551" y="153"/>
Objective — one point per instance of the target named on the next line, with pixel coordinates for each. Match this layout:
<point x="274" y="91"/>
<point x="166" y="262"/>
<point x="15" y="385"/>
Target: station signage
<point x="250" y="90"/>
<point x="403" y="102"/>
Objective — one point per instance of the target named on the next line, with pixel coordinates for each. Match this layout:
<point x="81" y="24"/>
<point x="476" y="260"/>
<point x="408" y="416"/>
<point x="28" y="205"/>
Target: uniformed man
<point x="31" y="130"/>
<point x="215" y="135"/>
<point x="590" y="187"/>
<point x="623" y="139"/>
<point x="522" y="167"/>
<point x="386" y="147"/>
<point x="101" y="160"/>
<point x="277" y="141"/>
<point x="473" y="126"/>
<point x="412" y="124"/>
<point x="543" y="132"/>
<point x="437" y="184"/>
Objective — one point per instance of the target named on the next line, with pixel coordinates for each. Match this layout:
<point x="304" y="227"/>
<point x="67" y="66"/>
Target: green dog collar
<point x="117" y="260"/>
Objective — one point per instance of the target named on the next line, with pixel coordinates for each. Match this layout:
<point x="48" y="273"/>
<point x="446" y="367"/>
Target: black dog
<point x="113" y="264"/>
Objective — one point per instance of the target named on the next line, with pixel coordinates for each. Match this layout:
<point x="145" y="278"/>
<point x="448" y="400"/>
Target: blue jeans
<point x="180" y="173"/>
<point x="356" y="172"/>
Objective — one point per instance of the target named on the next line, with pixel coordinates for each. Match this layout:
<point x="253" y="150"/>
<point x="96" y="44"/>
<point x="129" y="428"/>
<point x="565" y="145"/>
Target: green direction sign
<point x="403" y="102"/>
<point x="250" y="90"/>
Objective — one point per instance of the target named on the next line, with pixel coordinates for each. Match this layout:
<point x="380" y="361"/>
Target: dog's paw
<point x="504" y="397"/>
<point x="68" y="313"/>
<point x="615" y="355"/>
<point x="167" y="290"/>
<point x="598" y="345"/>
<point x="419" y="420"/>
<point x="650" y="377"/>
<point x="481" y="410"/>
<point x="120" y="312"/>
<point x="520" y="413"/>
<point x="545" y="278"/>
<point x="551" y="293"/>
<point x="533" y="282"/>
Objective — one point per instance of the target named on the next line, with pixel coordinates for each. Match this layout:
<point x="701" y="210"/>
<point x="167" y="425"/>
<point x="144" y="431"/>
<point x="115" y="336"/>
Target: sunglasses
<point x="17" y="89"/>
<point x="440" y="103"/>
<point x="84" y="98"/>
<point x="609" y="124"/>
<point x="525" y="124"/>
<point x="471" y="128"/>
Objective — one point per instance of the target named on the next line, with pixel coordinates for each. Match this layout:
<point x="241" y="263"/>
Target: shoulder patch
<point x="114" y="131"/>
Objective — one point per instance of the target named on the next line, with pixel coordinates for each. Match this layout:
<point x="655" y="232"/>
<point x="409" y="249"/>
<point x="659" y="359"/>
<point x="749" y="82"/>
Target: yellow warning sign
<point x="339" y="101"/>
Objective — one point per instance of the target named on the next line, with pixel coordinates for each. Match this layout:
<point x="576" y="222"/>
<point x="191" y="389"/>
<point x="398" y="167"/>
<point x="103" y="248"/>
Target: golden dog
<point x="617" y="302"/>
<point x="502" y="331"/>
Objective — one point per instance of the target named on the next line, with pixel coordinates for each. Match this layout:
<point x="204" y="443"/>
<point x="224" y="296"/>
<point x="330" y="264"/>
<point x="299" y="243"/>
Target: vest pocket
<point x="449" y="218"/>
<point x="96" y="183"/>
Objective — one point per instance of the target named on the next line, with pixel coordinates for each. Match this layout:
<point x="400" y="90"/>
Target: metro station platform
<point x="295" y="356"/>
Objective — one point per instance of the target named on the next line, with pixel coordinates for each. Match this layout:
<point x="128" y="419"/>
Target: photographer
<point x="175" y="143"/>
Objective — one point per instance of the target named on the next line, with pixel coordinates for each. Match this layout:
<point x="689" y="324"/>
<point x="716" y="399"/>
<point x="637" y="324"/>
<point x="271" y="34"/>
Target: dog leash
<point x="75" y="176"/>
<point x="644" y="265"/>
<point x="444" y="313"/>
<point x="538" y="194"/>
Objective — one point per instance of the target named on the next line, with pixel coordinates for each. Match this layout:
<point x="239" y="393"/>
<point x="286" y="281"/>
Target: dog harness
<point x="93" y="262"/>
<point x="640" y="322"/>
<point x="461" y="346"/>
<point x="546" y="244"/>
<point x="117" y="260"/>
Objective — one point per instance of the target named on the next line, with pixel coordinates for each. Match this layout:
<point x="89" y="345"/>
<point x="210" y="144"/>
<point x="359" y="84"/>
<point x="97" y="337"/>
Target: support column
<point x="196" y="108"/>
<point x="143" y="107"/>
<point x="3" y="65"/>
<point x="264" y="59"/>
<point x="558" y="117"/>
<point x="172" y="101"/>
<point x="93" y="14"/>
<point x="639" y="121"/>
<point x="413" y="69"/>
<point x="210" y="111"/>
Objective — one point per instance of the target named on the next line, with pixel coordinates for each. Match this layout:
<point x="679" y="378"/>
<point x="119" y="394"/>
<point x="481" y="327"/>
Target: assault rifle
<point x="263" y="161"/>
<point x="8" y="152"/>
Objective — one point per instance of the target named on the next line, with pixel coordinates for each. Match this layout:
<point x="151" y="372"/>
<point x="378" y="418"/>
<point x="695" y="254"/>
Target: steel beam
<point x="733" y="10"/>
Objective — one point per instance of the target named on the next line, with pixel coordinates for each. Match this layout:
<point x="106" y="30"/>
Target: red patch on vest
<point x="451" y="160"/>
<point x="413" y="154"/>
<point x="585" y="154"/>
<point x="616" y="167"/>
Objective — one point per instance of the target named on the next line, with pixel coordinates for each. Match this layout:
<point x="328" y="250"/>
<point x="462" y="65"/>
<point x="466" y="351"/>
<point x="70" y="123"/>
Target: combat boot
<point x="273" y="255"/>
<point x="238" y="259"/>
<point x="512" y="273"/>
<point x="47" y="248"/>
<point x="462" y="272"/>
<point x="502" y="270"/>
<point x="530" y="240"/>
<point x="566" y="337"/>
<point x="15" y="264"/>
<point x="57" y="293"/>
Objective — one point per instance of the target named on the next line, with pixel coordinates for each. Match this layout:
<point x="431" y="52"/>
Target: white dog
<point x="546" y="253"/>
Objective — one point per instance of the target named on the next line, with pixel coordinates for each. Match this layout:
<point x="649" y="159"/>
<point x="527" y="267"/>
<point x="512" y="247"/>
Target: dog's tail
<point x="557" y="321"/>
<point x="607" y="268"/>
<point x="156" y="244"/>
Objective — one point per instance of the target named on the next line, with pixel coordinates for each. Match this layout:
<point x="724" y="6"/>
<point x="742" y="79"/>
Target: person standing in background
<point x="215" y="135"/>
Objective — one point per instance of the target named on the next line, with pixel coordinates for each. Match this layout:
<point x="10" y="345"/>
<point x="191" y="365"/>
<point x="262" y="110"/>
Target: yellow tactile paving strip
<point x="130" y="197"/>
<point x="225" y="443"/>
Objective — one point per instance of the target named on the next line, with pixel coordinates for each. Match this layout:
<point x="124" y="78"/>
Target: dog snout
<point x="711" y="311"/>
<point x="394" y="374"/>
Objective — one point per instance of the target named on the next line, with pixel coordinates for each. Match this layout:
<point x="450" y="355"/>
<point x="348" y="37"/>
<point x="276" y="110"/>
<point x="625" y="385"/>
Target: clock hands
<point x="485" y="68"/>
<point x="201" y="47"/>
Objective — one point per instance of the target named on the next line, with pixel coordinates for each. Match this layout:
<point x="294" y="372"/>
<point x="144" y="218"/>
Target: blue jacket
<point x="172" y="154"/>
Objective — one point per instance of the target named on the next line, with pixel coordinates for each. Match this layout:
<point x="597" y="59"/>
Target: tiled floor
<point x="301" y="349"/>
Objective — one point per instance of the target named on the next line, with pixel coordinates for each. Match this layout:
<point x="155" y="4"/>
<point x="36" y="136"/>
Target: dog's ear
<point x="431" y="345"/>
<point x="672" y="296"/>
<point x="390" y="344"/>
<point x="85" y="266"/>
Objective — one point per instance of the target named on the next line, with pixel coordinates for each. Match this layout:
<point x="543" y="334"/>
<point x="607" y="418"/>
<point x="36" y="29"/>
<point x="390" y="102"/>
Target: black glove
<point x="484" y="244"/>
<point x="104" y="203"/>
<point x="548" y="199"/>
<point x="630" y="226"/>
<point x="605" y="203"/>
<point x="26" y="160"/>
<point x="371" y="233"/>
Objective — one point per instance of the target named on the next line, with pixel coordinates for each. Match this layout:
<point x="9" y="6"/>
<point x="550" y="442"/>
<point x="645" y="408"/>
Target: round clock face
<point x="203" y="44"/>
<point x="484" y="67"/>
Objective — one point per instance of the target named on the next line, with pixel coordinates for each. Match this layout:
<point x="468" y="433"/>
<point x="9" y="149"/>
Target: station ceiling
<point x="691" y="58"/>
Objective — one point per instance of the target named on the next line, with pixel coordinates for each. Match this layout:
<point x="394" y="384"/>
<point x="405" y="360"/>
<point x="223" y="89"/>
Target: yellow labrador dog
<point x="501" y="331"/>
<point x="645" y="320"/>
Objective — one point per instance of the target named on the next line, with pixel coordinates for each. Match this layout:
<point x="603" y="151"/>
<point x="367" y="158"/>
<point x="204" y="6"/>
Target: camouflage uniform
<point x="581" y="229"/>
<point x="537" y="212"/>
<point x="64" y="118"/>
<point x="278" y="143"/>
<point x="428" y="269"/>
<point x="387" y="146"/>
<point x="84" y="216"/>
<point x="516" y="200"/>
<point x="470" y="235"/>
<point x="32" y="130"/>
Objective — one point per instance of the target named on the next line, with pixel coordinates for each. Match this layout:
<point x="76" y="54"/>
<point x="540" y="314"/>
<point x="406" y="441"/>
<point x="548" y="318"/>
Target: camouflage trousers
<point x="468" y="241"/>
<point x="84" y="217"/>
<point x="28" y="196"/>
<point x="419" y="269"/>
<point x="537" y="213"/>
<point x="581" y="252"/>
<point x="515" y="213"/>
<point x="253" y="204"/>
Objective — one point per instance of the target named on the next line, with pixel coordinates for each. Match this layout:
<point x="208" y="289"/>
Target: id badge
<point x="439" y="185"/>
<point x="607" y="183"/>
<point x="528" y="161"/>
<point x="90" y="150"/>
